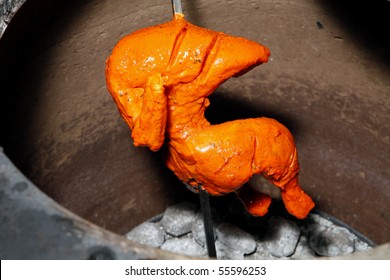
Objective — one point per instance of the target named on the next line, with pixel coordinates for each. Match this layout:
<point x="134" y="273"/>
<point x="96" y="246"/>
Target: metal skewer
<point x="203" y="195"/>
<point x="177" y="7"/>
<point x="207" y="222"/>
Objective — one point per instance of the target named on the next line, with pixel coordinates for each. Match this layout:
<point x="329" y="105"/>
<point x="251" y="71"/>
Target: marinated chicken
<point x="160" y="78"/>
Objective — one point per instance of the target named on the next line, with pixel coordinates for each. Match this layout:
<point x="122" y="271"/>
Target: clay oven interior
<point x="328" y="81"/>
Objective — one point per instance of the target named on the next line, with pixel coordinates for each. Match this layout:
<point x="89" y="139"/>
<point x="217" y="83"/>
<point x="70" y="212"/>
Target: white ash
<point x="184" y="246"/>
<point x="261" y="253"/>
<point x="282" y="237"/>
<point x="198" y="229"/>
<point x="178" y="219"/>
<point x="332" y="241"/>
<point x="180" y="230"/>
<point x="361" y="246"/>
<point x="147" y="233"/>
<point x="225" y="252"/>
<point x="236" y="239"/>
<point x="303" y="250"/>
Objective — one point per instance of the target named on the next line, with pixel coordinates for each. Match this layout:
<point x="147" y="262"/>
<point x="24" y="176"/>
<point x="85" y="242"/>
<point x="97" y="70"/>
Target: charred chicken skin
<point x="160" y="78"/>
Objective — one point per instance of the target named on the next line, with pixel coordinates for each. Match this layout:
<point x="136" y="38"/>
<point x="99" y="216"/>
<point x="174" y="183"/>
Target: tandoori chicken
<point x="160" y="78"/>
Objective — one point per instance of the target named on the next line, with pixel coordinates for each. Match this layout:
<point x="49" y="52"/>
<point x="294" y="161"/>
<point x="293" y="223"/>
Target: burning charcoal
<point x="226" y="253"/>
<point x="281" y="237"/>
<point x="178" y="219"/>
<point x="198" y="227"/>
<point x="185" y="246"/>
<point x="235" y="238"/>
<point x="148" y="234"/>
<point x="331" y="241"/>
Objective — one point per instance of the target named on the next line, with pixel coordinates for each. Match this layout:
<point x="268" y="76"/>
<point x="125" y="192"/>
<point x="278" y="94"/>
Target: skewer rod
<point x="207" y="222"/>
<point x="177" y="7"/>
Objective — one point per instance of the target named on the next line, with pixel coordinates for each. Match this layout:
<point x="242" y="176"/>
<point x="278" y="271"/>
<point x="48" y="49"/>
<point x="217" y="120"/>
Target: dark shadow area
<point x="108" y="183"/>
<point x="25" y="38"/>
<point x="228" y="106"/>
<point x="367" y="22"/>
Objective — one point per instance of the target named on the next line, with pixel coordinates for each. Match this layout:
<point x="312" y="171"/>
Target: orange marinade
<point x="160" y="78"/>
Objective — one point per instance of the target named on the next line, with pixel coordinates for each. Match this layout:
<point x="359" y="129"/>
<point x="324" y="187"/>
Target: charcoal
<point x="178" y="219"/>
<point x="198" y="227"/>
<point x="226" y="253"/>
<point x="282" y="237"/>
<point x="148" y="234"/>
<point x="317" y="220"/>
<point x="235" y="238"/>
<point x="261" y="253"/>
<point x="303" y="250"/>
<point x="185" y="246"/>
<point x="331" y="241"/>
<point x="361" y="246"/>
<point x="279" y="238"/>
